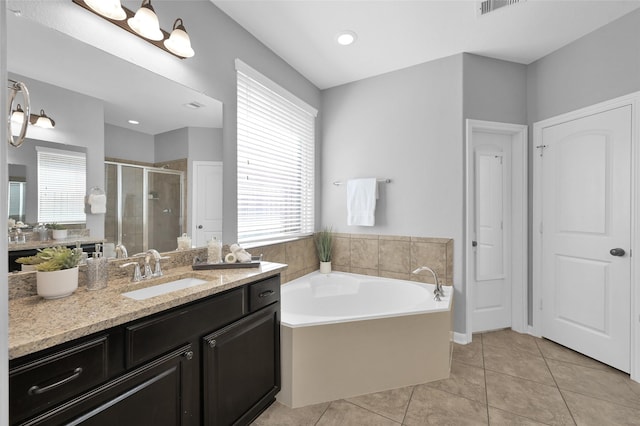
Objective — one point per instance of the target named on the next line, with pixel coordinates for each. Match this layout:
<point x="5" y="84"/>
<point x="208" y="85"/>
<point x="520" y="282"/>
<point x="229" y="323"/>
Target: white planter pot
<point x="325" y="267"/>
<point x="56" y="284"/>
<point x="59" y="234"/>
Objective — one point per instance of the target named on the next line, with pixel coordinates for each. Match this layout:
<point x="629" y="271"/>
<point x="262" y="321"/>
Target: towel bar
<point x="379" y="180"/>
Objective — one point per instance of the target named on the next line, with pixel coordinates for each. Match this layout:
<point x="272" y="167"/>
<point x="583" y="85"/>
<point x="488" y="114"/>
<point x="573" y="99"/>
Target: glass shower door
<point x="164" y="212"/>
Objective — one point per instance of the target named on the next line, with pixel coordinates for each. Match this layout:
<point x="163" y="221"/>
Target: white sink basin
<point x="157" y="290"/>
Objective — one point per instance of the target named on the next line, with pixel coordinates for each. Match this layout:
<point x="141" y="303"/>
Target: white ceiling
<point x="396" y="34"/>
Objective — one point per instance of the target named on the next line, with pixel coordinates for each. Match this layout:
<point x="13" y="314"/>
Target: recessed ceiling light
<point x="134" y="122"/>
<point x="345" y="38"/>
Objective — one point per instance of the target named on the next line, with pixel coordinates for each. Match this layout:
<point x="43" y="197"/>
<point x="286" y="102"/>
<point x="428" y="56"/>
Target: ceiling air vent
<point x="487" y="6"/>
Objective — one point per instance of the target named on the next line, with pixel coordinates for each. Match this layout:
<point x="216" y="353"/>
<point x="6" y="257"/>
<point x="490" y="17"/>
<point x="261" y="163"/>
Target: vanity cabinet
<point x="215" y="361"/>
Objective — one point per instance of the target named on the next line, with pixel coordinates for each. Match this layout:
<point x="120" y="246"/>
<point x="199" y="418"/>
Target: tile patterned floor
<point x="502" y="378"/>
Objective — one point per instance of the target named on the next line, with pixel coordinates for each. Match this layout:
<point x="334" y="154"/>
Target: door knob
<point x="617" y="252"/>
<point x="200" y="226"/>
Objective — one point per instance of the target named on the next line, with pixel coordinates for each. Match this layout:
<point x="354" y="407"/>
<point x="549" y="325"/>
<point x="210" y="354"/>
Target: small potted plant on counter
<point x="58" y="231"/>
<point x="29" y="263"/>
<point x="57" y="272"/>
<point x="324" y="245"/>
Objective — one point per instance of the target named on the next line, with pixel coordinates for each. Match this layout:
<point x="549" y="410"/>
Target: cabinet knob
<point x="212" y="343"/>
<point x="188" y="355"/>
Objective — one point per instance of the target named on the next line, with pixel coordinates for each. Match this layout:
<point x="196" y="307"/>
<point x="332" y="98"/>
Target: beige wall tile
<point x="363" y="271"/>
<point x="395" y="275"/>
<point x="295" y="255"/>
<point x="449" y="275"/>
<point x="341" y="251"/>
<point x="432" y="255"/>
<point x="364" y="253"/>
<point x="395" y="255"/>
<point x="272" y="253"/>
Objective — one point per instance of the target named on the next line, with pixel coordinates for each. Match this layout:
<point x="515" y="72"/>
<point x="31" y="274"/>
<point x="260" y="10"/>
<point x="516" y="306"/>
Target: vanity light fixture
<point x="42" y="120"/>
<point x="17" y="115"/>
<point x="110" y="9"/>
<point x="178" y="42"/>
<point x="144" y="24"/>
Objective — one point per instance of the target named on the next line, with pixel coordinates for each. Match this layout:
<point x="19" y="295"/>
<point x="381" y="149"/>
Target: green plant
<point x="29" y="260"/>
<point x="324" y="244"/>
<point x="53" y="259"/>
<point x="54" y="226"/>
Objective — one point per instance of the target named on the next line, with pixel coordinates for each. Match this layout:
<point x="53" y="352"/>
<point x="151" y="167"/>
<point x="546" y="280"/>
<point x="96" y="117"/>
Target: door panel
<point x="207" y="202"/>
<point x="586" y="193"/>
<point x="492" y="200"/>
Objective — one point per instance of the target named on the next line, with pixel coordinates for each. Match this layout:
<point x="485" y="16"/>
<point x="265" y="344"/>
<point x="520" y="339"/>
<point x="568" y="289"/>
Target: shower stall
<point x="144" y="206"/>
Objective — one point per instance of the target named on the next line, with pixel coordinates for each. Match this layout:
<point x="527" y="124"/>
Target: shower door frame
<point x="145" y="198"/>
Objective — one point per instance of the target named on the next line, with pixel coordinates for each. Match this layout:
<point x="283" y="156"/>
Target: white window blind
<point x="61" y="185"/>
<point x="276" y="144"/>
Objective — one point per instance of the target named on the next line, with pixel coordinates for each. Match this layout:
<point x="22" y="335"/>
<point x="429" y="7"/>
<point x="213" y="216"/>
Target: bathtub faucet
<point x="438" y="292"/>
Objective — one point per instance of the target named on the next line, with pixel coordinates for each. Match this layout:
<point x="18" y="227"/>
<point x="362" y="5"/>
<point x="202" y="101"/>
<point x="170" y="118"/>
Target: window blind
<point x="276" y="144"/>
<point x="61" y="185"/>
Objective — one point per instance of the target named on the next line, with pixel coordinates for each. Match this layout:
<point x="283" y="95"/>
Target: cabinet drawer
<point x="147" y="339"/>
<point x="47" y="381"/>
<point x="264" y="293"/>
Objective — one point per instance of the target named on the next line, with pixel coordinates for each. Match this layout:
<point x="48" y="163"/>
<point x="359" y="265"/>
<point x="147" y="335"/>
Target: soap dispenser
<point x="97" y="270"/>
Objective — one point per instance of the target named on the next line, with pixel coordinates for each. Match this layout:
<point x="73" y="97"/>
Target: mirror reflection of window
<point x="17" y="200"/>
<point x="61" y="185"/>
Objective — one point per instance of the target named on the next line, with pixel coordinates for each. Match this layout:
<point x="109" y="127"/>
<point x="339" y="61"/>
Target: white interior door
<point x="207" y="202"/>
<point x="585" y="193"/>
<point x="492" y="286"/>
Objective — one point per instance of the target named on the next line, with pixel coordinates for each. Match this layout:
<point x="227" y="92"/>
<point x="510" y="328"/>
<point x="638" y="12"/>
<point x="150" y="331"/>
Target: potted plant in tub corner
<point x="58" y="232"/>
<point x="57" y="273"/>
<point x="324" y="245"/>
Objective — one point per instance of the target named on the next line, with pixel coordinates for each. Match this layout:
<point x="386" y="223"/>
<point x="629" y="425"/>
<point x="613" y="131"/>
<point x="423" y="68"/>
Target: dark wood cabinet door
<point x="241" y="368"/>
<point x="160" y="393"/>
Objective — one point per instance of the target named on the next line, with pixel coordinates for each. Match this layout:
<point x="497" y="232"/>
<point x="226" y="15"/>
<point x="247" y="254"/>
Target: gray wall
<point x="405" y="126"/>
<point x="494" y="90"/>
<point x="128" y="144"/>
<point x="172" y="145"/>
<point x="599" y="66"/>
<point x="217" y="40"/>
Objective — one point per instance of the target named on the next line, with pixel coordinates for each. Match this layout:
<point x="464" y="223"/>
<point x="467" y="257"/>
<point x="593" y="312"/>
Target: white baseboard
<point x="460" y="338"/>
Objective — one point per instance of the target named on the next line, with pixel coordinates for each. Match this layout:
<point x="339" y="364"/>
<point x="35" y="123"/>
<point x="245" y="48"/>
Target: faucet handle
<point x="158" y="270"/>
<point x="137" y="276"/>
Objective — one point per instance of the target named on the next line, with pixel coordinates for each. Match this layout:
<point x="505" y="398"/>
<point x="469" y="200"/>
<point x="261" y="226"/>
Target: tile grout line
<point x="323" y="413"/>
<point x="556" y="383"/>
<point x="373" y="412"/>
<point x="484" y="373"/>
<point x="406" y="410"/>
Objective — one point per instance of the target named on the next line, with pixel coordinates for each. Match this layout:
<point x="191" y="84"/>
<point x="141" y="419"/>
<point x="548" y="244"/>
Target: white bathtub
<point x="345" y="335"/>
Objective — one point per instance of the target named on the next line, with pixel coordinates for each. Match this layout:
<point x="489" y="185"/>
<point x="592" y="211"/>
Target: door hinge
<point x="541" y="227"/>
<point x="540" y="304"/>
<point x="541" y="148"/>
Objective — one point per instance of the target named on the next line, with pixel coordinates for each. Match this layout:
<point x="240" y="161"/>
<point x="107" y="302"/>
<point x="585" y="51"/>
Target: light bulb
<point x="145" y="22"/>
<point x="111" y="9"/>
<point x="179" y="42"/>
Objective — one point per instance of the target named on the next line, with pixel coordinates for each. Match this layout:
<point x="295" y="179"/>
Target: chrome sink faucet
<point x="438" y="292"/>
<point x="157" y="270"/>
<point x="121" y="251"/>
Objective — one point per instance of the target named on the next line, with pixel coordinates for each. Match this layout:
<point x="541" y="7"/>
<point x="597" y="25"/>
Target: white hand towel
<point x="241" y="254"/>
<point x="361" y="201"/>
<point x="98" y="203"/>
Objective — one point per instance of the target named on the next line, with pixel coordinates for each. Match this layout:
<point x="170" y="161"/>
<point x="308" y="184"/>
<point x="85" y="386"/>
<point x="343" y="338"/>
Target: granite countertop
<point x="36" y="244"/>
<point x="36" y="323"/>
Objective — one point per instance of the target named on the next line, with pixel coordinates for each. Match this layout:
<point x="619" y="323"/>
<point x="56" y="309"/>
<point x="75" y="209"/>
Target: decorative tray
<point x="200" y="265"/>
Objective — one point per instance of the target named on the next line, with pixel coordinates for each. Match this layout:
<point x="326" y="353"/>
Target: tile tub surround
<point x="378" y="255"/>
<point x="36" y="323"/>
<point x="584" y="392"/>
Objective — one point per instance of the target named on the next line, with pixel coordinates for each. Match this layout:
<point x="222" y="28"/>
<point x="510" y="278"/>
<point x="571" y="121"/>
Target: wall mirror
<point x="95" y="100"/>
